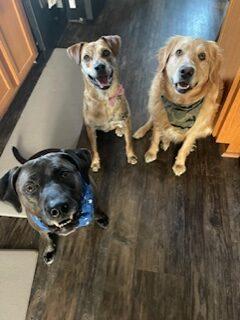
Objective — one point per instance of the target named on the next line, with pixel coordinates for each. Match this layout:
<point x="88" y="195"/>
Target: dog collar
<point x="180" y="116"/>
<point x="87" y="210"/>
<point x="119" y="92"/>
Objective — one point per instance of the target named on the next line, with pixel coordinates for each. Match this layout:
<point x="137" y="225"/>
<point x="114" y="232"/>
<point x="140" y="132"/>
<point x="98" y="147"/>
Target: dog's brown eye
<point x="64" y="174"/>
<point x="30" y="188"/>
<point x="202" y="56"/>
<point x="106" y="53"/>
<point x="179" y="52"/>
<point x="86" y="58"/>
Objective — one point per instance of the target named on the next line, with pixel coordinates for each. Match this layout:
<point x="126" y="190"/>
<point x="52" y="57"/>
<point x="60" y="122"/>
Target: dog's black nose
<point x="186" y="72"/>
<point x="100" y="67"/>
<point x="58" y="208"/>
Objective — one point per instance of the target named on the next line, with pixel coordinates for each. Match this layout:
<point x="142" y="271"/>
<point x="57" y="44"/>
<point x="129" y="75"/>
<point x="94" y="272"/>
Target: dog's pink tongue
<point x="103" y="80"/>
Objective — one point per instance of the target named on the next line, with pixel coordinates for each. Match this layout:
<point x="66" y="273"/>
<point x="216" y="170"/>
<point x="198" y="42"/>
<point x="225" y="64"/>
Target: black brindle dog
<point x="55" y="189"/>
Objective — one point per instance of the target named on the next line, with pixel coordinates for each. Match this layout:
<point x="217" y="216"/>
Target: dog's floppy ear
<point x="8" y="191"/>
<point x="114" y="43"/>
<point x="215" y="53"/>
<point x="82" y="159"/>
<point x="164" y="53"/>
<point x="74" y="52"/>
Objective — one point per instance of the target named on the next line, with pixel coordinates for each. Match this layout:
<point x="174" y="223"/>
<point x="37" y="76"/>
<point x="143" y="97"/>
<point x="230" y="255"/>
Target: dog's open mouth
<point x="65" y="222"/>
<point x="69" y="222"/>
<point x="182" y="86"/>
<point x="102" y="81"/>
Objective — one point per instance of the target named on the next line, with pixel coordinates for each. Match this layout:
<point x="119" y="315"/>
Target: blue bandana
<point x="87" y="210"/>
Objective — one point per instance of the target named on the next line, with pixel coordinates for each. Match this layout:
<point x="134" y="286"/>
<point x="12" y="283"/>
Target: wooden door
<point x="17" y="45"/>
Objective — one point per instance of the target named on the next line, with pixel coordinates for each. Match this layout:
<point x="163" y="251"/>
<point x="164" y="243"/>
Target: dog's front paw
<point x="132" y="159"/>
<point x="165" y="145"/>
<point x="103" y="221"/>
<point x="95" y="166"/>
<point x="194" y="147"/>
<point x="48" y="257"/>
<point x="149" y="156"/>
<point x="138" y="134"/>
<point x="119" y="132"/>
<point x="179" y="169"/>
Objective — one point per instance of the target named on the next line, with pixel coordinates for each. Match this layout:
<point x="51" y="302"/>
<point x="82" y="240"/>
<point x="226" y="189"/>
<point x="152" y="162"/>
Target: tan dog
<point x="184" y="96"/>
<point x="105" y="106"/>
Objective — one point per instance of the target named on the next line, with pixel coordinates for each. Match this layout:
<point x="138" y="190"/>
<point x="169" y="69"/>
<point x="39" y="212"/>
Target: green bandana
<point x="182" y="117"/>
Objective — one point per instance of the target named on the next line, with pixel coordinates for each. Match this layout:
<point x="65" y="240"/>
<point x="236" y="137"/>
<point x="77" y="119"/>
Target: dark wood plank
<point x="158" y="296"/>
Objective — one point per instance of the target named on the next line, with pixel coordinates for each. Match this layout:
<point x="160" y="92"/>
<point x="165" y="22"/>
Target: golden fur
<point x="205" y="83"/>
<point x="98" y="112"/>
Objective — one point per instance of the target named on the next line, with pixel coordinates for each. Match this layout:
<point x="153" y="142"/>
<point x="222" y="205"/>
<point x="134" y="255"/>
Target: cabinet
<point x="7" y="89"/>
<point x="17" y="50"/>
<point x="227" y="128"/>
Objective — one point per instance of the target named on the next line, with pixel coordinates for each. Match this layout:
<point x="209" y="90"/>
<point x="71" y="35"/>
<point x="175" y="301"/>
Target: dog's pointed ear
<point x="74" y="52"/>
<point x="8" y="191"/>
<point x="114" y="43"/>
<point x="82" y="158"/>
<point x="165" y="52"/>
<point x="216" y="57"/>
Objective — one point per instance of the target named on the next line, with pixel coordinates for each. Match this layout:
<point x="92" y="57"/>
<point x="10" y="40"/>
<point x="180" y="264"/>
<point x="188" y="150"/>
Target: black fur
<point x="7" y="188"/>
<point x="50" y="191"/>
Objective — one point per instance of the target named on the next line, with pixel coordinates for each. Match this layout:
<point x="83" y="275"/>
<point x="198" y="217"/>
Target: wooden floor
<point x="172" y="250"/>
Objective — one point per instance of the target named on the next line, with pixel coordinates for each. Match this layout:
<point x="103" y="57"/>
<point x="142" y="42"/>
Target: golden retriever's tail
<point x="140" y="133"/>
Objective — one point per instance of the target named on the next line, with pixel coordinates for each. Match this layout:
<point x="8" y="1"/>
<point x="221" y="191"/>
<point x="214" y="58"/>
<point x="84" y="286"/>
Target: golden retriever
<point x="105" y="106"/>
<point x="184" y="97"/>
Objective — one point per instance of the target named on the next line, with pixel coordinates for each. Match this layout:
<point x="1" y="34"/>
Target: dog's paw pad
<point x="132" y="159"/>
<point x="95" y="166"/>
<point x="119" y="132"/>
<point x="103" y="222"/>
<point x="48" y="257"/>
<point x="179" y="169"/>
<point x="149" y="157"/>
